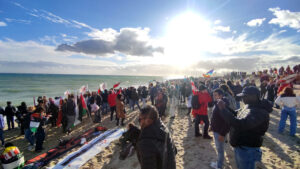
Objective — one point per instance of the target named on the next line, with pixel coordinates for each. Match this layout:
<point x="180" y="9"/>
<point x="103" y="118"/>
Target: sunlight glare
<point x="187" y="36"/>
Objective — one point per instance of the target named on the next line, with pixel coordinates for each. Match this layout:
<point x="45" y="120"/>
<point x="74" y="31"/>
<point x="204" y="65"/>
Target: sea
<point x="25" y="87"/>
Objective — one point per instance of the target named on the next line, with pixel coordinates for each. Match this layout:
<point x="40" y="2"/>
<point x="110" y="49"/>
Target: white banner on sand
<point x="78" y="158"/>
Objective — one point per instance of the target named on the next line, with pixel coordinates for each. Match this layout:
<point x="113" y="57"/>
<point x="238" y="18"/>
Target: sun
<point x="186" y="38"/>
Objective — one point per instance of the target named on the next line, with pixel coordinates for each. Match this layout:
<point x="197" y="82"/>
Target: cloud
<point x="217" y="22"/>
<point x="243" y="64"/>
<point x="2" y="24"/>
<point x="129" y="41"/>
<point x="256" y="22"/>
<point x="293" y="59"/>
<point x="222" y="28"/>
<point x="285" y="18"/>
<point x="18" y="20"/>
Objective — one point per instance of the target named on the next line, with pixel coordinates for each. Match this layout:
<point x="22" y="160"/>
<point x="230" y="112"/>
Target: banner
<point x="78" y="158"/>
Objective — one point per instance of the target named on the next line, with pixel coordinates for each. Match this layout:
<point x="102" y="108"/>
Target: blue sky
<point x="146" y="37"/>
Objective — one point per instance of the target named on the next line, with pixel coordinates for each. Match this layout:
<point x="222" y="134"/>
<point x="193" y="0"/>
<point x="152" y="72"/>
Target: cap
<point x="250" y="90"/>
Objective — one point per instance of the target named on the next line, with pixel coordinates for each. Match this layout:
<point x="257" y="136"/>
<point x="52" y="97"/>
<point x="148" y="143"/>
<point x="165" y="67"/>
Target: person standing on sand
<point x="29" y="135"/>
<point x="70" y="113"/>
<point x="288" y="101"/>
<point x="112" y="103"/>
<point x="201" y="114"/>
<point x="155" y="148"/>
<point x="247" y="127"/>
<point x="10" y="112"/>
<point x="2" y="125"/>
<point x="39" y="117"/>
<point x="219" y="127"/>
<point x="105" y="106"/>
<point x="120" y="109"/>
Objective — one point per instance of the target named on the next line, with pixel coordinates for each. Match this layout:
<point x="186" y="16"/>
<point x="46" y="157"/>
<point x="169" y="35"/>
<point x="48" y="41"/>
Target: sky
<point x="148" y="37"/>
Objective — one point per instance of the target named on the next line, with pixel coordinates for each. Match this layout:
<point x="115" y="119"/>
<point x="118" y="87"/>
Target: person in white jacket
<point x="289" y="102"/>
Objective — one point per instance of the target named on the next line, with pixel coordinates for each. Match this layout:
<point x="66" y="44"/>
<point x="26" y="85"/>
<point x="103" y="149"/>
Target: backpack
<point x="195" y="102"/>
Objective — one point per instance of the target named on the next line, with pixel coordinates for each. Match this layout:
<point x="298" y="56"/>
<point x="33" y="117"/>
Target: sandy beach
<point x="279" y="151"/>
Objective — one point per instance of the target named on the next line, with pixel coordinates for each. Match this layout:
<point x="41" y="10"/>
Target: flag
<point x="84" y="107"/>
<point x="67" y="93"/>
<point x="83" y="102"/>
<point x="208" y="74"/>
<point x="194" y="88"/>
<point x="83" y="89"/>
<point x="116" y="85"/>
<point x="99" y="91"/>
<point x="102" y="86"/>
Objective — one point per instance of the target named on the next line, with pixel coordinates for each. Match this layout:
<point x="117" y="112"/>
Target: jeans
<point x="105" y="108"/>
<point x="134" y="102"/>
<point x="245" y="157"/>
<point x="285" y="112"/>
<point x="198" y="119"/>
<point x="29" y="136"/>
<point x="220" y="150"/>
<point x="1" y="136"/>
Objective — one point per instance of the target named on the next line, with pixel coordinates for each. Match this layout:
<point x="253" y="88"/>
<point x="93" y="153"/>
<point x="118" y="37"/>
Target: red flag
<point x="99" y="91"/>
<point x="194" y="88"/>
<point x="83" y="102"/>
<point x="116" y="85"/>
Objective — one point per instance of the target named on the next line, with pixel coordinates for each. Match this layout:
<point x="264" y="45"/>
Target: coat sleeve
<point x="246" y="123"/>
<point x="147" y="155"/>
<point x="278" y="100"/>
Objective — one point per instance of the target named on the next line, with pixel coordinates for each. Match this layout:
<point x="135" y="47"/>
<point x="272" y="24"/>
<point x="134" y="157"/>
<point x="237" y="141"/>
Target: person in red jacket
<point x="112" y="103"/>
<point x="201" y="114"/>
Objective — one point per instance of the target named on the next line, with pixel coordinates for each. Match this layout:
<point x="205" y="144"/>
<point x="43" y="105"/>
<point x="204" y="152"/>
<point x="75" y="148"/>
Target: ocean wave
<point x="12" y="90"/>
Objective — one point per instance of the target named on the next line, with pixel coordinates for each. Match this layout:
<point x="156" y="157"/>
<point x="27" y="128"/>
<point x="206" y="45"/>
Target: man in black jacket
<point x="10" y="113"/>
<point x="219" y="127"/>
<point x="70" y="112"/>
<point x="247" y="127"/>
<point x="155" y="149"/>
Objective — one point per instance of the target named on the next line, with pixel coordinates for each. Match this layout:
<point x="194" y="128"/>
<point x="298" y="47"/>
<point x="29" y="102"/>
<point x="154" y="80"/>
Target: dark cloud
<point x="243" y="64"/>
<point x="126" y="42"/>
<point x="293" y="59"/>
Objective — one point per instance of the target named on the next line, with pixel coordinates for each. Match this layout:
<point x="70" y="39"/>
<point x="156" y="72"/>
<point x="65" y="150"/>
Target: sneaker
<point x="214" y="165"/>
<point x="30" y="148"/>
<point x="207" y="137"/>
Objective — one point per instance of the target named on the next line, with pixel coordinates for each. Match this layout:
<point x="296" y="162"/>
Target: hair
<point x="219" y="91"/>
<point x="8" y="102"/>
<point x="289" y="92"/>
<point x="71" y="96"/>
<point x="150" y="112"/>
<point x="227" y="89"/>
<point x="202" y="87"/>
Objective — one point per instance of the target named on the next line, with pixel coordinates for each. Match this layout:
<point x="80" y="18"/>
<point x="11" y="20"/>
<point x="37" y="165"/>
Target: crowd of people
<point x="214" y="102"/>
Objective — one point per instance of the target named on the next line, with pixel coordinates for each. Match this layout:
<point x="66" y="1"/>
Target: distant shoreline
<point x="3" y="73"/>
